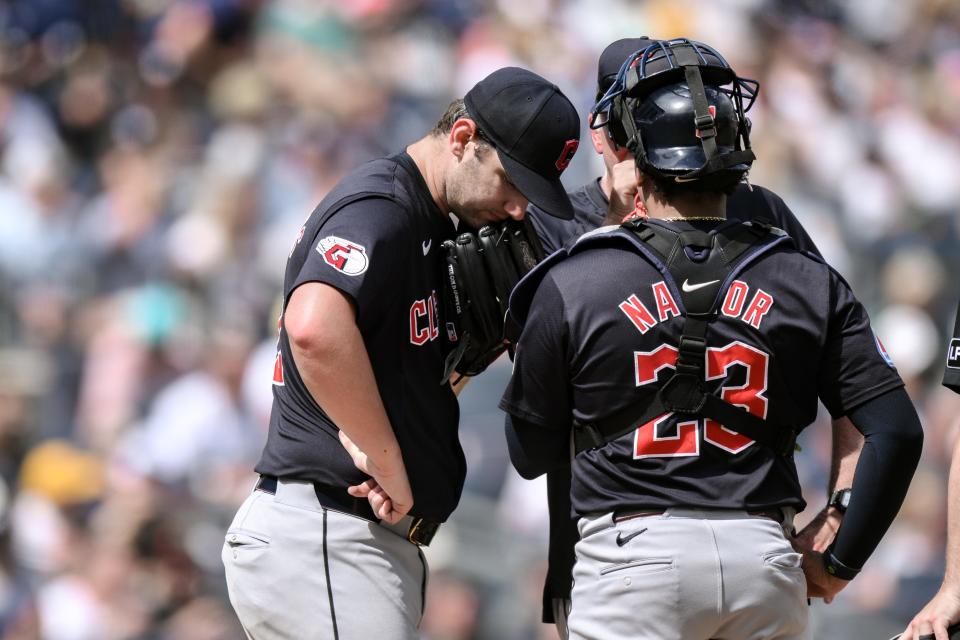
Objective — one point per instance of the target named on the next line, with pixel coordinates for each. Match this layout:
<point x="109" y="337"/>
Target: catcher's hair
<point x="456" y="111"/>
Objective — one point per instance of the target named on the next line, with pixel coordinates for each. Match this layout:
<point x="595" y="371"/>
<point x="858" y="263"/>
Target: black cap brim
<point x="549" y="195"/>
<point x="613" y="57"/>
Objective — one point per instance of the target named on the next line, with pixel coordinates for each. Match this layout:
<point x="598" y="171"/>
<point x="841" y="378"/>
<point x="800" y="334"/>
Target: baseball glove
<point x="480" y="270"/>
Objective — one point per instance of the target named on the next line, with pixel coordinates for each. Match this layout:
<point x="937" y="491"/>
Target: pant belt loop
<point x="789" y="513"/>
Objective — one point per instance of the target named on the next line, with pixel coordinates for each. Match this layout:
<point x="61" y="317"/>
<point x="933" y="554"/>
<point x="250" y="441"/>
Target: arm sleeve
<point x="563" y="538"/>
<point x="893" y="439"/>
<point x="537" y="397"/>
<point x="534" y="450"/>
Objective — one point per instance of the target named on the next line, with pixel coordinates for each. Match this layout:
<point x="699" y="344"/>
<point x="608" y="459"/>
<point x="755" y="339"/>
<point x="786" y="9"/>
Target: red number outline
<point x="686" y="443"/>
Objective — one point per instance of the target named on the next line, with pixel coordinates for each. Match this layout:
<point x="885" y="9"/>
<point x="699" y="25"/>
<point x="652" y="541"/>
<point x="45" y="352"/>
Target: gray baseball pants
<point x="298" y="571"/>
<point x="687" y="575"/>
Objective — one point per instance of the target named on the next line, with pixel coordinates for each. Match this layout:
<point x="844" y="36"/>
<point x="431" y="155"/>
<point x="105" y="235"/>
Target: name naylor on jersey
<point x="953" y="354"/>
<point x="734" y="306"/>
<point x="423" y="320"/>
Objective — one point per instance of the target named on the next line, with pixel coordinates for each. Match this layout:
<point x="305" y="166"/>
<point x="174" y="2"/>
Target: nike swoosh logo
<point x="686" y="286"/>
<point x="624" y="539"/>
<point x="426" y="246"/>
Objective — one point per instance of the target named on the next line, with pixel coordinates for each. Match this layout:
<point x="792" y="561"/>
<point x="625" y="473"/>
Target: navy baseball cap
<point x="535" y="130"/>
<point x="613" y="58"/>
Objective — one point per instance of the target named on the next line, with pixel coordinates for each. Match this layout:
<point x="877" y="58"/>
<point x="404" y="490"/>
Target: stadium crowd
<point x="157" y="159"/>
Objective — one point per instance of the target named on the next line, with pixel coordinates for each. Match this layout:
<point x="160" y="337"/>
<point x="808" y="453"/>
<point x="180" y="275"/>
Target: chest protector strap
<point x="703" y="265"/>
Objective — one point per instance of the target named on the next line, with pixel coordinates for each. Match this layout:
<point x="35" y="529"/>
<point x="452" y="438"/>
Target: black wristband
<point x="836" y="568"/>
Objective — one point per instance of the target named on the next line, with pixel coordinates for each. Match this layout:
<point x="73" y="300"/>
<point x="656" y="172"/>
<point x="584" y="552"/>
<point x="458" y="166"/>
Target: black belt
<point x="620" y="516"/>
<point x="775" y="514"/>
<point x="420" y="531"/>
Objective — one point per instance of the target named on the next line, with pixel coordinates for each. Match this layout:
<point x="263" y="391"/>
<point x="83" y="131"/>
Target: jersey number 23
<point x="684" y="439"/>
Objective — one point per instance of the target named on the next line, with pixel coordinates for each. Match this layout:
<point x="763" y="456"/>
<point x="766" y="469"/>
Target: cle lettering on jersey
<point x="734" y="305"/>
<point x="278" y="370"/>
<point x="424" y="323"/>
<point x="278" y="362"/>
<point x="297" y="241"/>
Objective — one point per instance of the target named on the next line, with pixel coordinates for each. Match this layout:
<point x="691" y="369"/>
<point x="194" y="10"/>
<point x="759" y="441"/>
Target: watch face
<point x="841" y="499"/>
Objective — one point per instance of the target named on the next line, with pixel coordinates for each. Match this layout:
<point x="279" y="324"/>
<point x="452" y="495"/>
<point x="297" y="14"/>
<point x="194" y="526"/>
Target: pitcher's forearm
<point x="334" y="365"/>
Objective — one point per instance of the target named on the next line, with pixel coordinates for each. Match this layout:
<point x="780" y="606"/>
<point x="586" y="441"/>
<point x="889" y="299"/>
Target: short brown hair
<point x="456" y="111"/>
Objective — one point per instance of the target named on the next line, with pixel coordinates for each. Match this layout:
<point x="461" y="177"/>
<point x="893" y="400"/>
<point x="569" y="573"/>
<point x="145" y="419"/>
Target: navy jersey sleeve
<point x="359" y="251"/>
<point x="758" y="203"/>
<point x="951" y="373"/>
<point x="538" y="389"/>
<point x="855" y="367"/>
<point x="551" y="231"/>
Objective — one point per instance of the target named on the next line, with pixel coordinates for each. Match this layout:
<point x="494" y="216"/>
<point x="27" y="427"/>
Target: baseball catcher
<point x="654" y="349"/>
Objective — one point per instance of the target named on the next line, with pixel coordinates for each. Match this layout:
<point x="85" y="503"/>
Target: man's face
<point x="478" y="190"/>
<point x="604" y="145"/>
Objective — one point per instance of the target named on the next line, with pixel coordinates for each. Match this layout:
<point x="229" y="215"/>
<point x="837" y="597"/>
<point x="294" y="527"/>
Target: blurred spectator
<point x="158" y="158"/>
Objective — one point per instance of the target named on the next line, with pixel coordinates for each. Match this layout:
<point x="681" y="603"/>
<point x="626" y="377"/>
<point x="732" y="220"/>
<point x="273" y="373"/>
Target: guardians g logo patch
<point x="953" y="354"/>
<point x="883" y="351"/>
<point x="344" y="255"/>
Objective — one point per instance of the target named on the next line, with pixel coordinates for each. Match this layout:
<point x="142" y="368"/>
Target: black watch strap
<point x="840" y="499"/>
<point x="836" y="568"/>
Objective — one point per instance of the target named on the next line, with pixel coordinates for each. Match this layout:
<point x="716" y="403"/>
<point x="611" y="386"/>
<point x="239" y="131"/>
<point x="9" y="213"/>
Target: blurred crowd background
<point x="157" y="158"/>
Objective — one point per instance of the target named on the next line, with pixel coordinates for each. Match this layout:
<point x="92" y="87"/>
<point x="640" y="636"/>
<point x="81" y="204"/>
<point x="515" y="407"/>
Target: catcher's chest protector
<point x="698" y="267"/>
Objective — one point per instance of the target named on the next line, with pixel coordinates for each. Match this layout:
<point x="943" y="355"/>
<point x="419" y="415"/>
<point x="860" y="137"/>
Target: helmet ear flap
<point x="615" y="123"/>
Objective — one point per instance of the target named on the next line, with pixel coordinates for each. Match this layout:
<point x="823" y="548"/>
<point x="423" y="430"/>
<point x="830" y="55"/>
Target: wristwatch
<point x="840" y="499"/>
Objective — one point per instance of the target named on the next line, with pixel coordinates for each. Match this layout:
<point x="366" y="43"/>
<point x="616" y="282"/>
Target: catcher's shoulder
<point x="562" y="263"/>
<point x="596" y="233"/>
<point x="523" y="292"/>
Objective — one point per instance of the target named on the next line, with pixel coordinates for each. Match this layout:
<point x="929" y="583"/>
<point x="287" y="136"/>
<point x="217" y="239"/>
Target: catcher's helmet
<point x="666" y="123"/>
<point x="679" y="108"/>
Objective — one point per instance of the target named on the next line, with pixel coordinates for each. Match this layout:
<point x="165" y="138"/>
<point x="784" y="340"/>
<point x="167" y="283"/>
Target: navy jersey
<point x="951" y="373"/>
<point x="590" y="207"/>
<point x="603" y="323"/>
<point x="376" y="237"/>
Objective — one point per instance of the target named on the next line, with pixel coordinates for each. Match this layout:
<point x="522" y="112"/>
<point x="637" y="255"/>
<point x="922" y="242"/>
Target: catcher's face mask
<point x="680" y="109"/>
